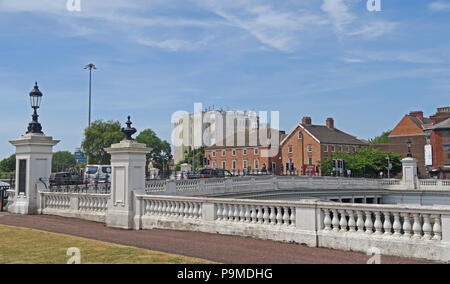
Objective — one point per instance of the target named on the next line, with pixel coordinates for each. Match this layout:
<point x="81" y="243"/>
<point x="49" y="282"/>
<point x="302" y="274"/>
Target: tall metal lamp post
<point x="35" y="100"/>
<point x="408" y="143"/>
<point x="90" y="66"/>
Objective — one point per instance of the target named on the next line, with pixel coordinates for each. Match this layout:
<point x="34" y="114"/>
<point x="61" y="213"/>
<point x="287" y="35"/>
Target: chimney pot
<point x="306" y="120"/>
<point x="330" y="123"/>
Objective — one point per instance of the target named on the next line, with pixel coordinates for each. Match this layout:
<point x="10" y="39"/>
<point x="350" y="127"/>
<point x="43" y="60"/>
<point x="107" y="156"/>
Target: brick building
<point x="300" y="151"/>
<point x="308" y="144"/>
<point x="246" y="152"/>
<point x="428" y="136"/>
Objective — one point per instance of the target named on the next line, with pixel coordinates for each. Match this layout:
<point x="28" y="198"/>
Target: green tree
<point x="161" y="150"/>
<point x="9" y="164"/>
<point x="382" y="139"/>
<point x="195" y="155"/>
<point x="365" y="162"/>
<point x="62" y="161"/>
<point x="97" y="137"/>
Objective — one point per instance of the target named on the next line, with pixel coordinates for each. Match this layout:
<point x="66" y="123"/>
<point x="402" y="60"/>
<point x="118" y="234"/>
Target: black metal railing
<point x="96" y="186"/>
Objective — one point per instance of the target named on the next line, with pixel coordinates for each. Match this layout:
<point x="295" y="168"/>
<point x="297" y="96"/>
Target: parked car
<point x="100" y="173"/>
<point x="215" y="173"/>
<point x="65" y="178"/>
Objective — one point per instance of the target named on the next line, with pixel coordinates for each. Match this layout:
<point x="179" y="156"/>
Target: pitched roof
<point x="323" y="134"/>
<point x="332" y="135"/>
<point x="442" y="125"/>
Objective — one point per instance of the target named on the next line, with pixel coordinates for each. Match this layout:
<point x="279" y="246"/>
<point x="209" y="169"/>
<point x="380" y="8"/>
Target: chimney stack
<point x="418" y="114"/>
<point x="330" y="123"/>
<point x="306" y="120"/>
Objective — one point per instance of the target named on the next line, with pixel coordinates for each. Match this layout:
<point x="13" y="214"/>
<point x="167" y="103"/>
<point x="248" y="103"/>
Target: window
<point x="255" y="151"/>
<point x="224" y="153"/>
<point x="325" y="148"/>
<point x="333" y="148"/>
<point x="300" y="135"/>
<point x="340" y="148"/>
<point x="347" y="149"/>
<point x="290" y="149"/>
<point x="244" y="152"/>
<point x="213" y="153"/>
<point x="310" y="160"/>
<point x="274" y="166"/>
<point x="233" y="152"/>
<point x="224" y="164"/>
<point x="354" y="149"/>
<point x="256" y="164"/>
<point x="214" y="164"/>
<point x="310" y="149"/>
<point x="233" y="165"/>
<point x="244" y="164"/>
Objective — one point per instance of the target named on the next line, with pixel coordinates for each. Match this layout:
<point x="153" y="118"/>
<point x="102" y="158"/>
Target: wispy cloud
<point x="439" y="6"/>
<point x="339" y="13"/>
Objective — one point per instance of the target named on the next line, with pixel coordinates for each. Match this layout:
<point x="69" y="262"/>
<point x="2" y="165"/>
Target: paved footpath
<point x="218" y="248"/>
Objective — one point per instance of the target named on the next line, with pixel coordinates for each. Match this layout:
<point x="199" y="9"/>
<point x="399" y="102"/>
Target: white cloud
<point x="339" y="13"/>
<point x="439" y="6"/>
<point x="374" y="29"/>
<point x="175" y="44"/>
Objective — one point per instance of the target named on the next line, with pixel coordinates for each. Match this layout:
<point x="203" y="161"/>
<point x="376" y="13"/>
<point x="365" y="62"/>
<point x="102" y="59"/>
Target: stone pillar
<point x="128" y="160"/>
<point x="410" y="177"/>
<point x="33" y="161"/>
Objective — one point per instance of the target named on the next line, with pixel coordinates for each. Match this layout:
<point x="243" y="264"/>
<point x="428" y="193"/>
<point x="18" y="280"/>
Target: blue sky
<point x="316" y="58"/>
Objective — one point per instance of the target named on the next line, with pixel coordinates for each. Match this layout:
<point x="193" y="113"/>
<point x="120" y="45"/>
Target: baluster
<point x="285" y="216"/>
<point x="387" y="225"/>
<point x="327" y="220"/>
<point x="230" y="213"/>
<point x="335" y="221"/>
<point x="247" y="214"/>
<point x="236" y="213"/>
<point x="176" y="209"/>
<point x="171" y="207"/>
<point x="195" y="211"/>
<point x="219" y="212"/>
<point x="343" y="222"/>
<point x="426" y="227"/>
<point x="259" y="215"/>
<point x="368" y="223"/>
<point x="378" y="225"/>
<point x="417" y="227"/>
<point x="191" y="209"/>
<point x="199" y="211"/>
<point x="351" y="221"/>
<point x="360" y="222"/>
<point x="186" y="210"/>
<point x="437" y="229"/>
<point x="152" y="206"/>
<point x="292" y="217"/>
<point x="266" y="215"/>
<point x="279" y="216"/>
<point x="406" y="226"/>
<point x="242" y="213"/>
<point x="397" y="226"/>
<point x="272" y="216"/>
<point x="253" y="215"/>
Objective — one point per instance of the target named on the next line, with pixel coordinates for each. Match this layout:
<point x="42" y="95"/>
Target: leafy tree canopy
<point x="62" y="161"/>
<point x="9" y="164"/>
<point x="97" y="137"/>
<point x="365" y="162"/>
<point x="382" y="139"/>
<point x="161" y="150"/>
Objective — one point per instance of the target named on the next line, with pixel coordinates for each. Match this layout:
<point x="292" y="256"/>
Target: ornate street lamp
<point x="128" y="131"/>
<point x="35" y="100"/>
<point x="408" y="143"/>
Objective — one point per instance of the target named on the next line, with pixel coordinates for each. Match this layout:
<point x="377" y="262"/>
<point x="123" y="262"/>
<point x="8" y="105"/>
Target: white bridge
<point x="408" y="217"/>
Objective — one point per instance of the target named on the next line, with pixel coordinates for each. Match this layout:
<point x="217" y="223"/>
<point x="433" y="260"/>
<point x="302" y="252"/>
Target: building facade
<point x="429" y="137"/>
<point x="299" y="153"/>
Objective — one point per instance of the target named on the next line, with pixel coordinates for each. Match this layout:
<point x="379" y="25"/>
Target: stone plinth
<point x="33" y="161"/>
<point x="410" y="177"/>
<point x="128" y="160"/>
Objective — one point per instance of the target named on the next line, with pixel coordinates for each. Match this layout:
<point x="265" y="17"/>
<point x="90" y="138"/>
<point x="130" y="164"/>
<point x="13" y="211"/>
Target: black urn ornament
<point x="128" y="131"/>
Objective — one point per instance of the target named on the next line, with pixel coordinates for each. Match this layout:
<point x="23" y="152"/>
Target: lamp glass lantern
<point x="35" y="101"/>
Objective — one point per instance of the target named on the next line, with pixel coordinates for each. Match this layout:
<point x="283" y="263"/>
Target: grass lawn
<point x="22" y="245"/>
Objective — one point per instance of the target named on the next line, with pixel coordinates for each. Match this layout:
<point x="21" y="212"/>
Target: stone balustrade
<point x="403" y="230"/>
<point x="86" y="206"/>
<point x="11" y="196"/>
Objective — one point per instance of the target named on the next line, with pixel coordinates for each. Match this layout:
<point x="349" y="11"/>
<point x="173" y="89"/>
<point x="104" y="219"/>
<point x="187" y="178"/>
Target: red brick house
<point x="299" y="153"/>
<point x="428" y="136"/>
<point x="246" y="152"/>
<point x="307" y="144"/>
